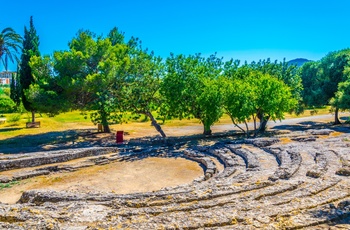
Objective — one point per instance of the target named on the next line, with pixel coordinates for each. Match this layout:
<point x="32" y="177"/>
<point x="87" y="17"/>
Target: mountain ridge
<point x="298" y="61"/>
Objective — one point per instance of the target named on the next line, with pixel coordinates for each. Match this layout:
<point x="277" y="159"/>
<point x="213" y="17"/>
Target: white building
<point x="6" y="77"/>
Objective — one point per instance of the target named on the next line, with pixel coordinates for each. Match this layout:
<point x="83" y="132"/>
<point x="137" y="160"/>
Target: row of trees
<point x="327" y="82"/>
<point x="108" y="76"/>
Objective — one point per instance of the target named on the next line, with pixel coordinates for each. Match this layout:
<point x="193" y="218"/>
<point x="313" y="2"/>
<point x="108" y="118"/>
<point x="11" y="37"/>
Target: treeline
<point x="327" y="82"/>
<point x="108" y="76"/>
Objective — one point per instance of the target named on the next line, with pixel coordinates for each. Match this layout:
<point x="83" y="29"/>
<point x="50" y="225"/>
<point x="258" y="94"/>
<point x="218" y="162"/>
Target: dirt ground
<point x="119" y="177"/>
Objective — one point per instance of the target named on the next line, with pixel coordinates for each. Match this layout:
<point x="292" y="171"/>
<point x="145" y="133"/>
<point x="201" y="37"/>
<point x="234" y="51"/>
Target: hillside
<point x="298" y="61"/>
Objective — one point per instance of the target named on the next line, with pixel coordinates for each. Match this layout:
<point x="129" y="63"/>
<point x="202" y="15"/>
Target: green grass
<point x="8" y="185"/>
<point x="74" y="116"/>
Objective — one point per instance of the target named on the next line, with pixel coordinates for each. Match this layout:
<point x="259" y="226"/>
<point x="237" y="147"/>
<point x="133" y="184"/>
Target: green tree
<point x="116" y="37"/>
<point x="332" y="69"/>
<point x="238" y="101"/>
<point x="45" y="94"/>
<point x="342" y="96"/>
<point x="254" y="94"/>
<point x="89" y="72"/>
<point x="5" y="90"/>
<point x="15" y="89"/>
<point x="140" y="93"/>
<point x="10" y="45"/>
<point x="286" y="73"/>
<point x="312" y="83"/>
<point x="321" y="79"/>
<point x="30" y="49"/>
<point x="191" y="88"/>
<point x="6" y="104"/>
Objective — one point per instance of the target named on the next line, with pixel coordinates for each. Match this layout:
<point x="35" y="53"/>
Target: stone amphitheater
<point x="291" y="180"/>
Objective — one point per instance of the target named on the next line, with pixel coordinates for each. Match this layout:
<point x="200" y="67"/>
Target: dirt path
<point x="284" y="124"/>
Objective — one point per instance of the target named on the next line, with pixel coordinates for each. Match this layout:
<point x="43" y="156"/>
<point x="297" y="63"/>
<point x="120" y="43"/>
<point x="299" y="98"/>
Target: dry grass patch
<point x="285" y="140"/>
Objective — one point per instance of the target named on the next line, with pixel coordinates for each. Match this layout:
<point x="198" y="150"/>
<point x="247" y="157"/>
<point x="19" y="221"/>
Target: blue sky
<point x="245" y="30"/>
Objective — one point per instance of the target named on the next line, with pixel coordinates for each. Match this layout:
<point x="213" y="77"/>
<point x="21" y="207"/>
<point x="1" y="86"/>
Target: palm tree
<point x="10" y="44"/>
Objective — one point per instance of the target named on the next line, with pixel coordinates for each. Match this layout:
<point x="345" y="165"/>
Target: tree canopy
<point x="30" y="49"/>
<point x="88" y="71"/>
<point x="10" y="45"/>
<point x="107" y="77"/>
<point x="322" y="79"/>
<point x="140" y="90"/>
<point x="45" y="93"/>
<point x="191" y="89"/>
<point x="248" y="96"/>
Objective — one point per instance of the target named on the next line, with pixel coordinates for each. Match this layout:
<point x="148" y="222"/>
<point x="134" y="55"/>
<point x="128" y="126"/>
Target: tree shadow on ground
<point x="306" y="125"/>
<point x="2" y="130"/>
<point x="140" y="148"/>
<point x="344" y="118"/>
<point x="39" y="142"/>
<point x="334" y="216"/>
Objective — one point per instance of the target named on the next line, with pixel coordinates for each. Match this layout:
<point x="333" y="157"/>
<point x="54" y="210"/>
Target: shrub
<point x="6" y="104"/>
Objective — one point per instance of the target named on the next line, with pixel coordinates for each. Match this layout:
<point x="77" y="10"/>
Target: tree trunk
<point x="235" y="124"/>
<point x="336" y="117"/>
<point x="155" y="124"/>
<point x="255" y="131"/>
<point x="246" y="125"/>
<point x="33" y="116"/>
<point x="263" y="122"/>
<point x="105" y="124"/>
<point x="106" y="128"/>
<point x="207" y="130"/>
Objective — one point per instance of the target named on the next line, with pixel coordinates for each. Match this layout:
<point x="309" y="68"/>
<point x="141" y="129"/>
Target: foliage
<point x="15" y="89"/>
<point x="6" y="104"/>
<point x="257" y="93"/>
<point x="9" y="46"/>
<point x="281" y="71"/>
<point x="116" y="36"/>
<point x="238" y="95"/>
<point x="285" y="72"/>
<point x="244" y="83"/>
<point x="30" y="49"/>
<point x="332" y="68"/>
<point x="8" y="185"/>
<point x="321" y="79"/>
<point x="312" y="83"/>
<point x="5" y="90"/>
<point x="89" y="71"/>
<point x="44" y="93"/>
<point x="191" y="88"/>
<point x="140" y="90"/>
<point x="342" y="96"/>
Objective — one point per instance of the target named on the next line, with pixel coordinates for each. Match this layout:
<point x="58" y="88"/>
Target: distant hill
<point x="298" y="61"/>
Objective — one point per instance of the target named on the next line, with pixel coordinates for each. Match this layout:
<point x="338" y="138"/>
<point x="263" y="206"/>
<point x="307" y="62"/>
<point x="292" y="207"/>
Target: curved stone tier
<point x="246" y="184"/>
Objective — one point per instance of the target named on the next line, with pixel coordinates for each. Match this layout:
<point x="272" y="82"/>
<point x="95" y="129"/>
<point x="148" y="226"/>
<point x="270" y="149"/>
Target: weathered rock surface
<point x="264" y="184"/>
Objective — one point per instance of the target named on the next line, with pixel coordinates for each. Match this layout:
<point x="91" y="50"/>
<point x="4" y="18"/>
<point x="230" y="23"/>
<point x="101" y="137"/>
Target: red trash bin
<point x="119" y="136"/>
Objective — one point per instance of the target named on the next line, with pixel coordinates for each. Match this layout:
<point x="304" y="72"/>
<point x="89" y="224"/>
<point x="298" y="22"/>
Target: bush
<point x="6" y="104"/>
<point x="6" y="91"/>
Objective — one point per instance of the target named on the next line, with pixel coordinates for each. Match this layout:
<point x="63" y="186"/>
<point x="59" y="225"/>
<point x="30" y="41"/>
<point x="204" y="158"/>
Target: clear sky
<point x="246" y="30"/>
